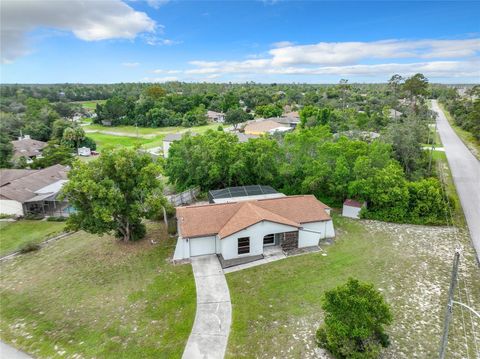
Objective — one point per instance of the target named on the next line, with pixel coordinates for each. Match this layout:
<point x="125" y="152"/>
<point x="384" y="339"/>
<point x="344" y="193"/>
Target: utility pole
<point x="448" y="310"/>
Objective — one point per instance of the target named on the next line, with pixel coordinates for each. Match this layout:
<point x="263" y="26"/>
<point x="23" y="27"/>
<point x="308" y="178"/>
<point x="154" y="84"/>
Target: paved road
<point x="466" y="174"/>
<point x="8" y="352"/>
<point x="209" y="336"/>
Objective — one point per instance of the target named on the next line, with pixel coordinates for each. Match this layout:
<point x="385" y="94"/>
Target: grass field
<point x="13" y="235"/>
<point x="126" y="135"/>
<point x="92" y="297"/>
<point x="277" y="308"/>
<point x="90" y="105"/>
<point x="471" y="142"/>
<point x="102" y="140"/>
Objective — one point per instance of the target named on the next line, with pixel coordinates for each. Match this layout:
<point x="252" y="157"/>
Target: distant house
<point x="265" y="126"/>
<point x="172" y="137"/>
<point x="352" y="208"/>
<point x="242" y="193"/>
<point x="286" y="121"/>
<point x="27" y="148"/>
<point x="242" y="229"/>
<point x="25" y="192"/>
<point x="216" y="116"/>
<point x="392" y="113"/>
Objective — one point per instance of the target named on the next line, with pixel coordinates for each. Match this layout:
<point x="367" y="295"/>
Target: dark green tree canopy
<point x="114" y="193"/>
<point x="355" y="318"/>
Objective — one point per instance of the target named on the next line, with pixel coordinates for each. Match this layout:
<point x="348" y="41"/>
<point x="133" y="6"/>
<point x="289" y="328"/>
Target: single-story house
<point x="261" y="127"/>
<point x="25" y="192"/>
<point x="352" y="208"/>
<point x="28" y="148"/>
<point x="242" y="193"/>
<point x="237" y="230"/>
<point x="172" y="137"/>
<point x="286" y="121"/>
<point x="216" y="116"/>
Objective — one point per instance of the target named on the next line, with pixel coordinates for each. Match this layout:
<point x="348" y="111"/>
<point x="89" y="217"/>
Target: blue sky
<point x="263" y="41"/>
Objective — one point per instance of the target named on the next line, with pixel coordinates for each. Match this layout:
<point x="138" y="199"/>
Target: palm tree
<point x="74" y="134"/>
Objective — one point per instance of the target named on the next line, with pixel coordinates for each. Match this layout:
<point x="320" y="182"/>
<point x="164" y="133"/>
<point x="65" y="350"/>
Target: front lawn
<point x="93" y="297"/>
<point x="13" y="235"/>
<point x="277" y="309"/>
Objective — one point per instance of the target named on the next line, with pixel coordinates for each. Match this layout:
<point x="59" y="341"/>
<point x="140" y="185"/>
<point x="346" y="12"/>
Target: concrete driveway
<point x="209" y="336"/>
<point x="8" y="352"/>
<point x="466" y="174"/>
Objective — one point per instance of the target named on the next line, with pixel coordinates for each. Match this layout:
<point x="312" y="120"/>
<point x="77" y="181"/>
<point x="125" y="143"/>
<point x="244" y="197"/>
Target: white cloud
<point x="434" y="58"/>
<point x="282" y="44"/>
<point x="88" y="20"/>
<point x="156" y="3"/>
<point x="154" y="40"/>
<point x="130" y="64"/>
<point x="160" y="71"/>
<point x="160" y="79"/>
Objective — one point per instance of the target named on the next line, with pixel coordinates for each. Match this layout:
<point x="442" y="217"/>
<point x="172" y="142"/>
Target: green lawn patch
<point x="103" y="140"/>
<point x="13" y="235"/>
<point x="93" y="297"/>
<point x="90" y="105"/>
<point x="277" y="308"/>
<point x="467" y="137"/>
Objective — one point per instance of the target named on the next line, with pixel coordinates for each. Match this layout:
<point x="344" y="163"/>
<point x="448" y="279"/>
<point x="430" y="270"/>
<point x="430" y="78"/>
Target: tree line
<point x="311" y="161"/>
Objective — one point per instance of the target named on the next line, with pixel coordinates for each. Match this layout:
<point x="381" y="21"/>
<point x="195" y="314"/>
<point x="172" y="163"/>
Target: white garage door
<point x="202" y="246"/>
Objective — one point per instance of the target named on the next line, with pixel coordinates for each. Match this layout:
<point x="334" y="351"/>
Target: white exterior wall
<point x="311" y="233"/>
<point x="351" y="212"/>
<point x="187" y="248"/>
<point x="248" y="198"/>
<point x="229" y="245"/>
<point x="11" y="207"/>
<point x="166" y="147"/>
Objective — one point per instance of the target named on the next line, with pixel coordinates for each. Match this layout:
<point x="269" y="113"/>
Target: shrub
<point x="29" y="247"/>
<point x="4" y="215"/>
<point x="35" y="216"/>
<point x="355" y="316"/>
<point x="56" y="219"/>
<point x="172" y="227"/>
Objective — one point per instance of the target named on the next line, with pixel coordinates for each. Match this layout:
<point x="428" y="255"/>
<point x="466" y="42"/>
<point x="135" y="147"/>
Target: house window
<point x="244" y="245"/>
<point x="269" y="239"/>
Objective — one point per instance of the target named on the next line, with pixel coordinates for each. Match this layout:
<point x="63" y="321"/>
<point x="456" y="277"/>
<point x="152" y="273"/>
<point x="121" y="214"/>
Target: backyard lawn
<point x="127" y="135"/>
<point x="277" y="308"/>
<point x="13" y="235"/>
<point x="93" y="297"/>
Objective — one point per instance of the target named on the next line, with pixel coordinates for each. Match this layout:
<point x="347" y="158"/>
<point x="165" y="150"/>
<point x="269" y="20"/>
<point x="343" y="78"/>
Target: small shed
<point x="352" y="208"/>
<point x="84" y="151"/>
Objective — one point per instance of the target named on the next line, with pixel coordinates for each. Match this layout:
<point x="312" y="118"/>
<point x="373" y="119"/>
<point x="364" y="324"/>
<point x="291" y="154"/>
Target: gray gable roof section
<point x="23" y="188"/>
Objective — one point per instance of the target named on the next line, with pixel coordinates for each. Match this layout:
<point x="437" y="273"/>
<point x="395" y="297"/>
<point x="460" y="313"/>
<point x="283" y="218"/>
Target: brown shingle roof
<point x="228" y="218"/>
<point x="23" y="188"/>
<point x="8" y="175"/>
<point x="26" y="147"/>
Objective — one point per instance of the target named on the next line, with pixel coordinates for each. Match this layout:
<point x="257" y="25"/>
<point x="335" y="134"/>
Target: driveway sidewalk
<point x="209" y="336"/>
<point x="8" y="352"/>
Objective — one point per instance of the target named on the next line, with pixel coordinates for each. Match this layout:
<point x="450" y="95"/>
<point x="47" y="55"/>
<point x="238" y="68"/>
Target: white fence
<point x="185" y="197"/>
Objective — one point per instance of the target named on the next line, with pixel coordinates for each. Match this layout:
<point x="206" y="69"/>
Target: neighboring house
<point x="352" y="208"/>
<point x="216" y="116"/>
<point x="242" y="193"/>
<point x="84" y="151"/>
<point x="172" y="137"/>
<point x="286" y="121"/>
<point x="25" y="192"/>
<point x="394" y="113"/>
<point x="28" y="148"/>
<point x="265" y="126"/>
<point x="239" y="230"/>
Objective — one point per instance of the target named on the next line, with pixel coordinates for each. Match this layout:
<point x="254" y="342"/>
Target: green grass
<point x="467" y="137"/>
<point x="13" y="235"/>
<point x="125" y="135"/>
<point x="90" y="105"/>
<point x="277" y="307"/>
<point x="103" y="140"/>
<point x="88" y="296"/>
